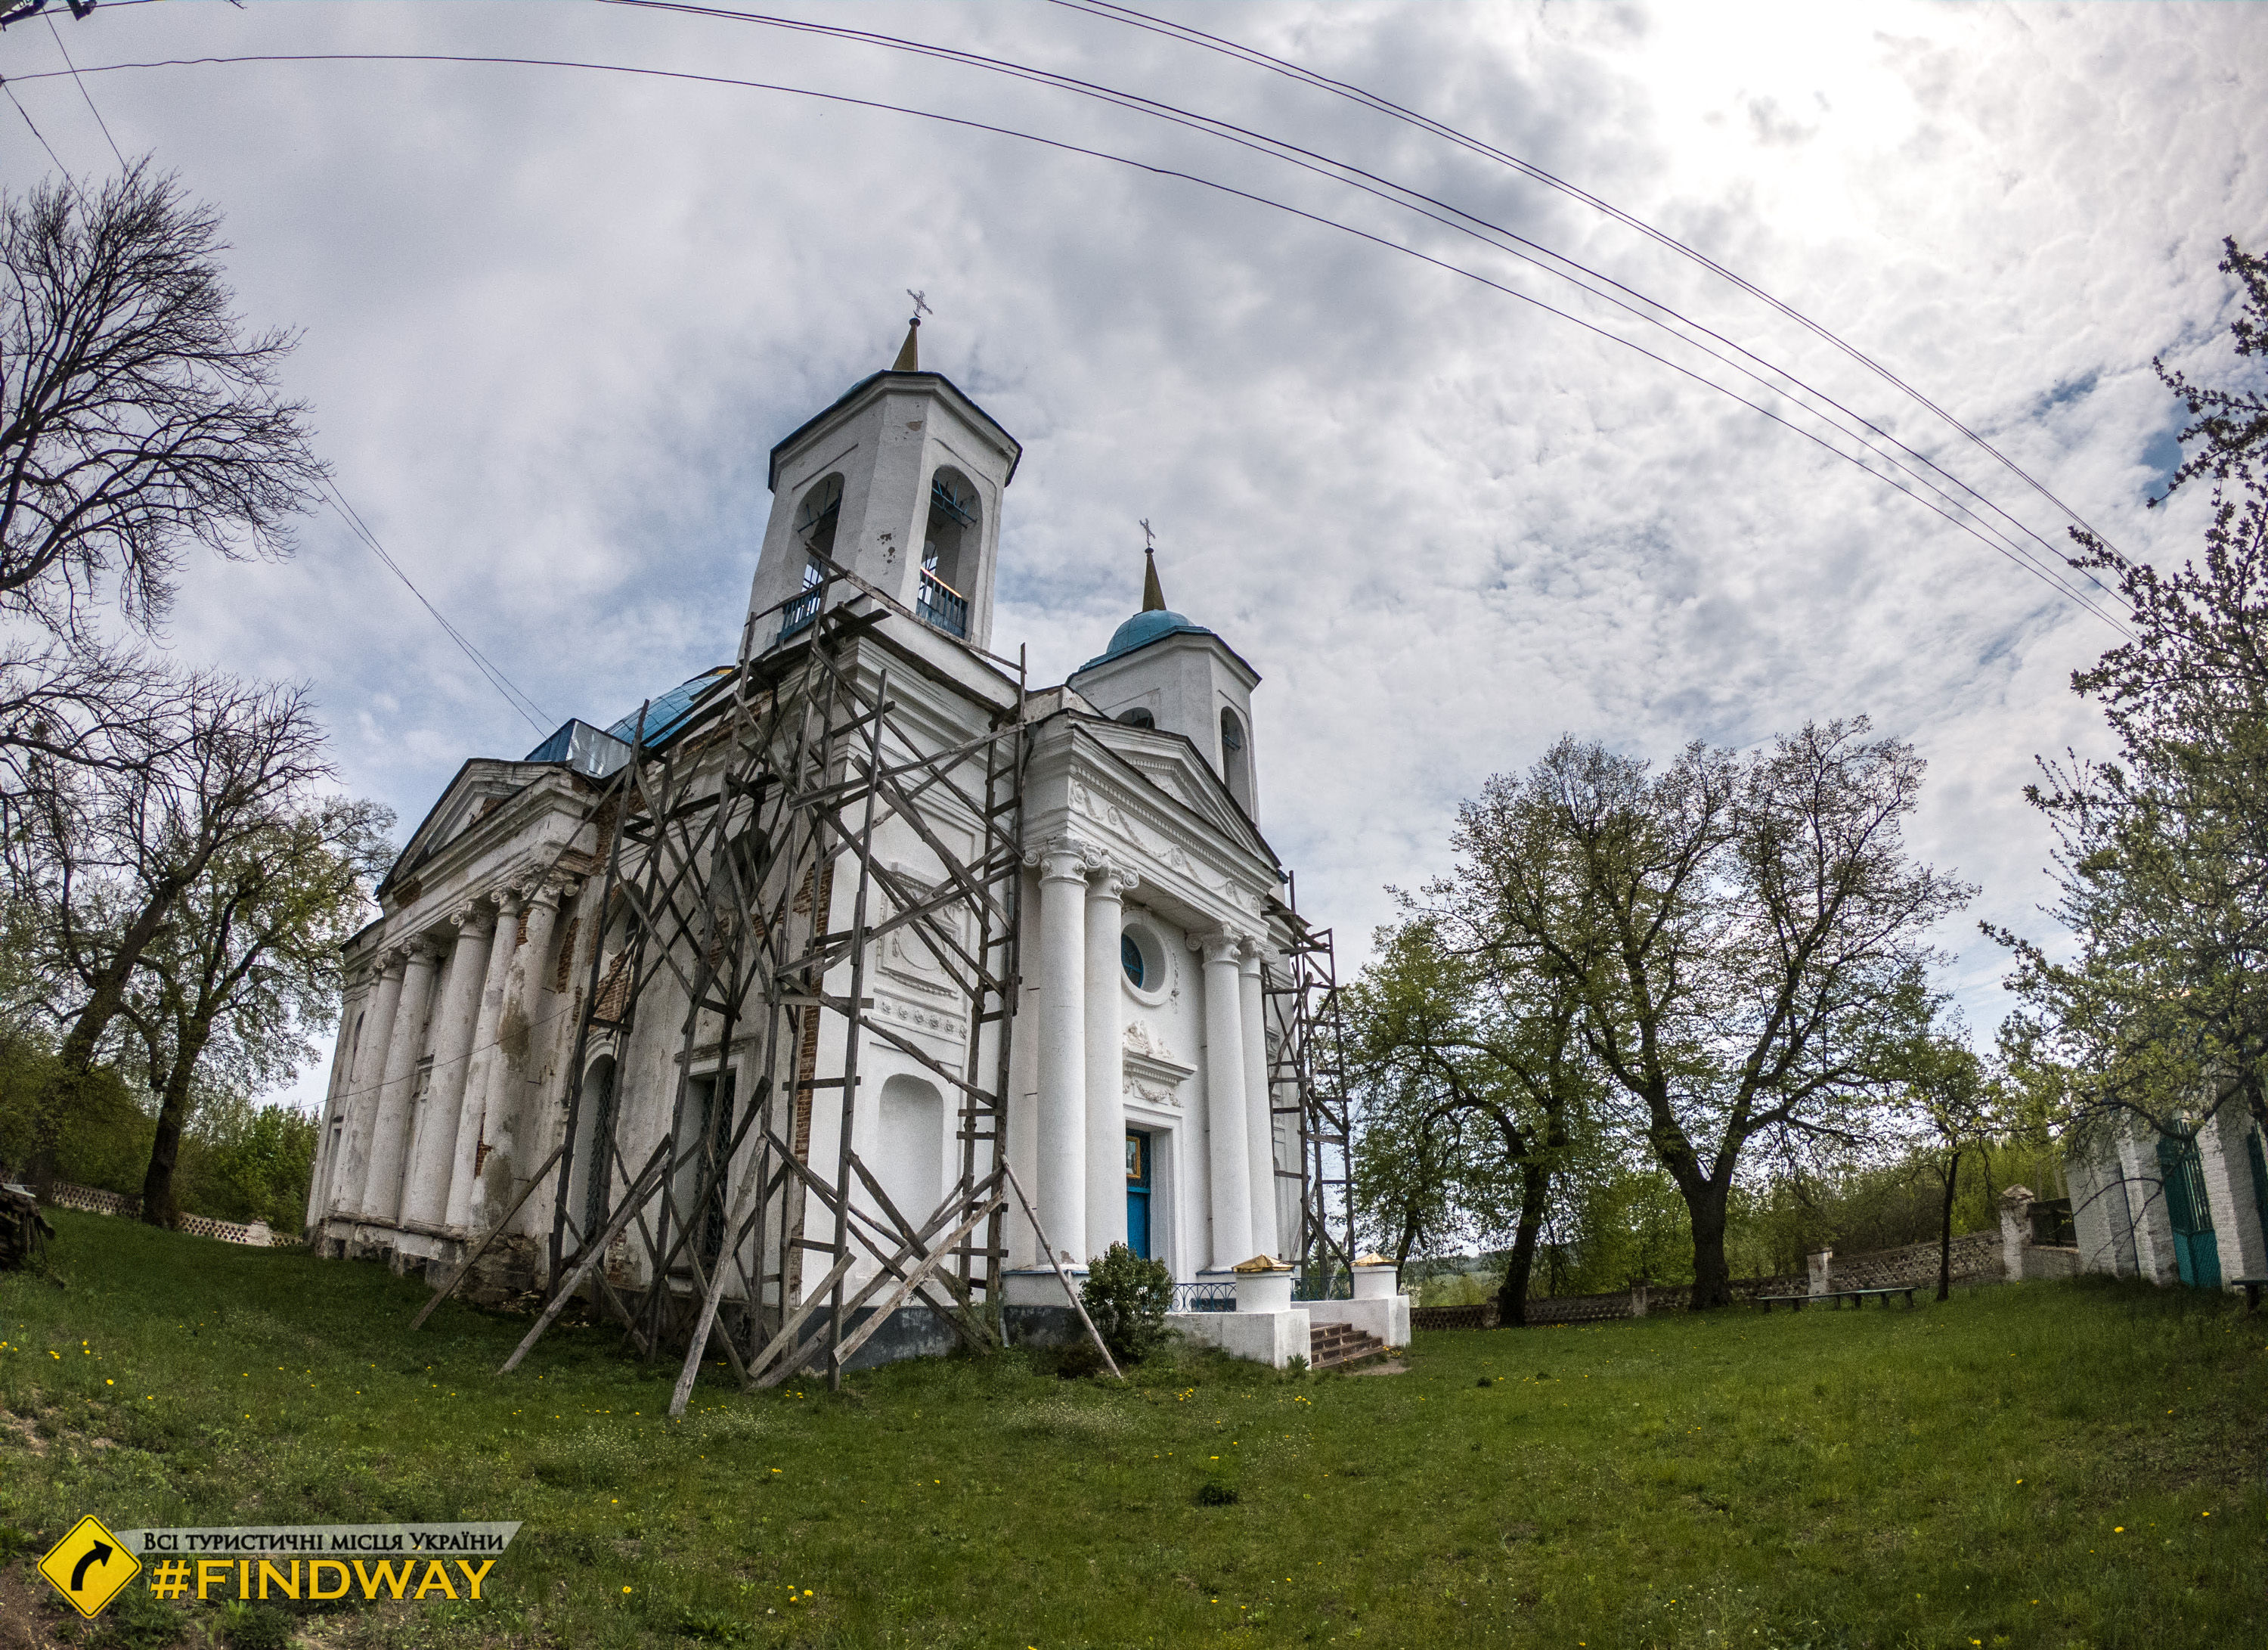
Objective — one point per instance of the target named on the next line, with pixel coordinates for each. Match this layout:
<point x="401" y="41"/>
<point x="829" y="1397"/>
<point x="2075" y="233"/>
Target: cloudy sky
<point x="555" y="317"/>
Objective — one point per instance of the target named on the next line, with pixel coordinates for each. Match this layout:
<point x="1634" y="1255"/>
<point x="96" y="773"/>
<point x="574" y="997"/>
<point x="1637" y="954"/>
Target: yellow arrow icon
<point x="88" y="1567"/>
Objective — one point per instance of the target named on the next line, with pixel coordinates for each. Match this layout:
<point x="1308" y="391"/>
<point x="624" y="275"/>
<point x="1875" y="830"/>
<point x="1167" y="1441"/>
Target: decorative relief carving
<point x="1139" y="1040"/>
<point x="1151" y="1073"/>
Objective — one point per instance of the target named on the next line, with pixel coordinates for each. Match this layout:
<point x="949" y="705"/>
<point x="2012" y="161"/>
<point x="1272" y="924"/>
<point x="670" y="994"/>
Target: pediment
<point x="479" y="788"/>
<point x="1169" y="763"/>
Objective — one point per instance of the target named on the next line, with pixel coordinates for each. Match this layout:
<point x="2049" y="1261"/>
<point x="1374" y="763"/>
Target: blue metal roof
<point x="663" y="715"/>
<point x="587" y="749"/>
<point x="1142" y="629"/>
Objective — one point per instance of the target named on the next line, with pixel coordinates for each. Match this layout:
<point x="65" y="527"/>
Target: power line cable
<point x="495" y="678"/>
<point x="84" y="93"/>
<point x="2055" y="570"/>
<point x="1111" y="11"/>
<point x="2052" y="570"/>
<point x="531" y="712"/>
<point x="1063" y="145"/>
<point x="27" y="114"/>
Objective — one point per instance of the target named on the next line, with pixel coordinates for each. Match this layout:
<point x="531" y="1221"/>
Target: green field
<point x="2054" y="1464"/>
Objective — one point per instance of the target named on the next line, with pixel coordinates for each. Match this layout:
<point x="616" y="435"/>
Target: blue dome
<point x="1142" y="629"/>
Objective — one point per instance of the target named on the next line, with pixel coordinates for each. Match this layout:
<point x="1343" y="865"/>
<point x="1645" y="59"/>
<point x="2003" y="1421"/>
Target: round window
<point x="1130" y="959"/>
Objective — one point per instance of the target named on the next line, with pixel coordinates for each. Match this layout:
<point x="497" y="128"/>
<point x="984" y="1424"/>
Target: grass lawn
<point x="2056" y="1464"/>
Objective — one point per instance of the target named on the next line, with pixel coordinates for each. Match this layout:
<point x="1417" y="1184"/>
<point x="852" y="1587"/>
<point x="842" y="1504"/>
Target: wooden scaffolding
<point x="741" y="877"/>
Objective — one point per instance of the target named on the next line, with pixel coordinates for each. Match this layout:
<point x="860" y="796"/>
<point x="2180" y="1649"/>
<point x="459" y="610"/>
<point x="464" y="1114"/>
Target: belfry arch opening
<point x="950" y="547"/>
<point x="1236" y="758"/>
<point x="818" y="514"/>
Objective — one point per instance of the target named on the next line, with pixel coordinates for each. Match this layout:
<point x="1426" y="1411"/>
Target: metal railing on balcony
<point x="799" y="614"/>
<point x="943" y="606"/>
<point x="1217" y="1297"/>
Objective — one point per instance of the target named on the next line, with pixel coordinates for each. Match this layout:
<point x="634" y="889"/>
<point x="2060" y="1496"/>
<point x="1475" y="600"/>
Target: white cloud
<point x="554" y="319"/>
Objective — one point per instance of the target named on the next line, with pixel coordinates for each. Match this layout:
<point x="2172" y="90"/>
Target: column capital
<point x="553" y="890"/>
<point x="1222" y="945"/>
<point x="1112" y="880"/>
<point x="510" y="898"/>
<point x="473" y="917"/>
<point x="1063" y="858"/>
<point x="425" y="948"/>
<point x="392" y="959"/>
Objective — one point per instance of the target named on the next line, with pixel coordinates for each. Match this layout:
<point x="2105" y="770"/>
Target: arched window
<point x="816" y="516"/>
<point x="1235" y="761"/>
<point x="1138" y="717"/>
<point x="949" y="547"/>
<point x="595" y="1129"/>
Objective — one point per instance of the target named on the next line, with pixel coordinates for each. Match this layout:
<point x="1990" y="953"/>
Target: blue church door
<point x="1137" y="1192"/>
<point x="2197" y="1253"/>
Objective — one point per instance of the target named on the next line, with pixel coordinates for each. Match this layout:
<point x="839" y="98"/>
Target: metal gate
<point x="2196" y="1253"/>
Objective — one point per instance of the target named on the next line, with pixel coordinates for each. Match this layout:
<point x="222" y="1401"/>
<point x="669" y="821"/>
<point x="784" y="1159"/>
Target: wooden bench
<point x="2252" y="1287"/>
<point x="1857" y="1297"/>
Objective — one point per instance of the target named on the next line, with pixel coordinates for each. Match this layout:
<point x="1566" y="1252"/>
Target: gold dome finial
<point x="909" y="352"/>
<point x="1153" y="594"/>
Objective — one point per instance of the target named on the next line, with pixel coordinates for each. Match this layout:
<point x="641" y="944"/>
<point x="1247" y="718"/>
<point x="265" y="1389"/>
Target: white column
<point x="331" y="1144"/>
<point x="1061" y="1190"/>
<point x="385" y="1188"/>
<point x="349" y="1180"/>
<point x="2238" y="1239"/>
<point x="1106" y="1106"/>
<point x="2145" y="1200"/>
<point x="1260" y="1124"/>
<point x="513" y="1097"/>
<point x="1228" y="1142"/>
<point x="484" y="1062"/>
<point x="433" y="1140"/>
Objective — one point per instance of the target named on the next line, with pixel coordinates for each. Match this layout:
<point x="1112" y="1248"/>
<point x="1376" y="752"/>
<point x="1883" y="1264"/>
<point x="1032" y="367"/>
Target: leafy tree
<point x="243" y="1161"/>
<point x="2161" y="1008"/>
<point x="1949" y="1101"/>
<point x="1473" y="1076"/>
<point x="1739" y="927"/>
<point x="246" y="965"/>
<point x="115" y="852"/>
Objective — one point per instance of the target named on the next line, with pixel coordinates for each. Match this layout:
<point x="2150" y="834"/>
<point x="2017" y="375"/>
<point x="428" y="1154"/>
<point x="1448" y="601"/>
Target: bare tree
<point x="1742" y="928"/>
<point x="246" y="965"/>
<point x="136" y="415"/>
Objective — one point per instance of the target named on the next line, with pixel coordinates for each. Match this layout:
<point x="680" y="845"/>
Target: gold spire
<point x="1153" y="597"/>
<point x="909" y="353"/>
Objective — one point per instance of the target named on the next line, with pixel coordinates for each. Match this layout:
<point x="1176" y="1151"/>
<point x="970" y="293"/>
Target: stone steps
<point x="1329" y="1345"/>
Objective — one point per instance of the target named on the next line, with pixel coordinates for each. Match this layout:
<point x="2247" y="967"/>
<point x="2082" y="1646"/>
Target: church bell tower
<point x="899" y="481"/>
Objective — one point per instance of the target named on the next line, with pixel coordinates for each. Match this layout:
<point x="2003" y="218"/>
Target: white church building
<point x="1144" y="1093"/>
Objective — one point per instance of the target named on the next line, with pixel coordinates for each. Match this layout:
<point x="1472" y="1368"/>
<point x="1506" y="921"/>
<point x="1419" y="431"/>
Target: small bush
<point x="1128" y="1297"/>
